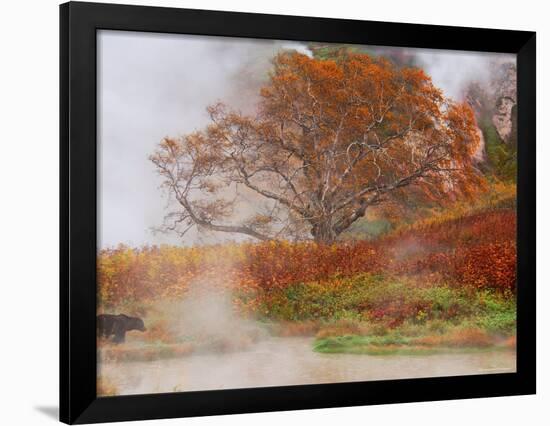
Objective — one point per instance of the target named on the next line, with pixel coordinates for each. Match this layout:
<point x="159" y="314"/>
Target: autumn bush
<point x="448" y="281"/>
<point x="488" y="265"/>
<point x="477" y="251"/>
<point x="150" y="273"/>
<point x="442" y="284"/>
<point x="105" y="388"/>
<point x="463" y="338"/>
<point x="275" y="265"/>
<point x="373" y="304"/>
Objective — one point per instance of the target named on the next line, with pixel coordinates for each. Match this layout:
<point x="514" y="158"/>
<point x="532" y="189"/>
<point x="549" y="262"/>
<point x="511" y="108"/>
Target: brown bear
<point x="117" y="325"/>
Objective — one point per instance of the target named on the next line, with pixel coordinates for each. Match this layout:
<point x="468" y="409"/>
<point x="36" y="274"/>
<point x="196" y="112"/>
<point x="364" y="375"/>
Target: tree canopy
<point x="328" y="140"/>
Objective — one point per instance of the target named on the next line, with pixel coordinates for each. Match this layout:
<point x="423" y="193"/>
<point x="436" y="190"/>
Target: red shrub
<point x="478" y="250"/>
<point x="277" y="264"/>
<point x="488" y="265"/>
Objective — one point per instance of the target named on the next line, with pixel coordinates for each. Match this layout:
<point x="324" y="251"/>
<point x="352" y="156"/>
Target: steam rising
<point x="451" y="71"/>
<point x="454" y="71"/>
<point x="156" y="85"/>
<point x="207" y="317"/>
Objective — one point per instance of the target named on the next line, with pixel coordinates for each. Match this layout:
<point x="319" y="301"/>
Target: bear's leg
<point x="119" y="330"/>
<point x="106" y="325"/>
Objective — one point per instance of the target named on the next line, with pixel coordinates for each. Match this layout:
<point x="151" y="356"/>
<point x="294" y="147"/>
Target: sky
<point x="155" y="85"/>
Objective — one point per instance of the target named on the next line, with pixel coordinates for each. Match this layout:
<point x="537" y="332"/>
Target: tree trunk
<point x="323" y="232"/>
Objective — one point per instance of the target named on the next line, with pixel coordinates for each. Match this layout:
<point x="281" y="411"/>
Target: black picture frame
<point x="78" y="215"/>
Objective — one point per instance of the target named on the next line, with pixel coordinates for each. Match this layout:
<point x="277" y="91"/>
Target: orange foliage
<point x="329" y="139"/>
<point x="105" y="388"/>
<point x="343" y="328"/>
<point x="157" y="272"/>
<point x="277" y="264"/>
<point x="511" y="342"/>
<point x="488" y="265"/>
<point x="294" y="329"/>
<point x="471" y="337"/>
<point x="477" y="251"/>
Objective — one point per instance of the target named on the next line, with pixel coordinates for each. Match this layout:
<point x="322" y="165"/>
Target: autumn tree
<point x="329" y="139"/>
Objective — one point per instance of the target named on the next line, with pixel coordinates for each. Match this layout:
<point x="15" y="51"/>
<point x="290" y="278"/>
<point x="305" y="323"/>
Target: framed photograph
<point x="265" y="212"/>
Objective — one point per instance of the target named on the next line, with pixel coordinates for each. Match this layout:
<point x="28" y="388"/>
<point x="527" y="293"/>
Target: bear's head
<point x="135" y="323"/>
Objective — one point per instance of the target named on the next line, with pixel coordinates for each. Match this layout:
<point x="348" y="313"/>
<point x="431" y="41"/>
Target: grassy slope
<point x="403" y="313"/>
<point x="377" y="314"/>
<point x="382" y="308"/>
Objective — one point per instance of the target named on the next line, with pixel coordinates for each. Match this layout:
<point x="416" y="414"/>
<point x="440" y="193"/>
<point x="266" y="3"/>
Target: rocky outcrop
<point x="494" y="100"/>
<point x="504" y="88"/>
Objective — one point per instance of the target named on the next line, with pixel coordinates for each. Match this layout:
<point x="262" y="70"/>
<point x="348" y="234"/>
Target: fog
<point x="454" y="71"/>
<point x="156" y="85"/>
<point x="290" y="361"/>
<point x="207" y="316"/>
<point x="451" y="71"/>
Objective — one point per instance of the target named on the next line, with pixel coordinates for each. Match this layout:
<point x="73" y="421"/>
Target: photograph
<point x="278" y="213"/>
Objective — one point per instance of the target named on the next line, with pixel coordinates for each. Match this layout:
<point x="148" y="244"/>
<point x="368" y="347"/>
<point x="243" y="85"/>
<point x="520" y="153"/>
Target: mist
<point x="155" y="85"/>
<point x="451" y="70"/>
<point x="454" y="71"/>
<point x="207" y="316"/>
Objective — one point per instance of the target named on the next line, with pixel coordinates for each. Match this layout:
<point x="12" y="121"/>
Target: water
<point x="291" y="361"/>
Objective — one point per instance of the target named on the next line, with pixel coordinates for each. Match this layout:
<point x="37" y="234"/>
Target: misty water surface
<point x="291" y="361"/>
